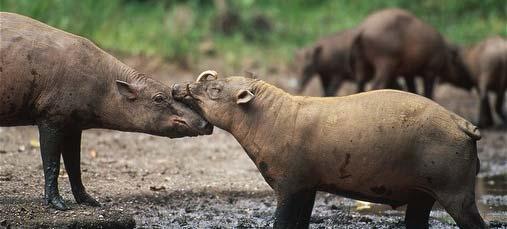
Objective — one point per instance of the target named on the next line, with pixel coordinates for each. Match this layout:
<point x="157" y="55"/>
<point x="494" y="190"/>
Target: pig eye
<point x="214" y="92"/>
<point x="159" y="98"/>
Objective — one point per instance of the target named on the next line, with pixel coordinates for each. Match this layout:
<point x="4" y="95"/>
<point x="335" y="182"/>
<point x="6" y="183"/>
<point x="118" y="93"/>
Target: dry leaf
<point x="361" y="205"/>
<point x="93" y="153"/>
<point x="34" y="143"/>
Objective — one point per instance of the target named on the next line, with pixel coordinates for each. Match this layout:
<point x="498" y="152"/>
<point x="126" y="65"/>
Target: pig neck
<point x="110" y="109"/>
<point x="258" y="127"/>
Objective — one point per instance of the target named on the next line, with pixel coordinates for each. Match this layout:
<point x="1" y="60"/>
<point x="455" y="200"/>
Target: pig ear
<point x="250" y="74"/>
<point x="244" y="96"/>
<point x="126" y="89"/>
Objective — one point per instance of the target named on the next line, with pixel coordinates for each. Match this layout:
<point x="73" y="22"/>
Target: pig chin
<point x="177" y="127"/>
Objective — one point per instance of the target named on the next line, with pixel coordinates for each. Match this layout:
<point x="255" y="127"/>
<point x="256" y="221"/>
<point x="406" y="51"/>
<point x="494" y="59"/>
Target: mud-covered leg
<point x="410" y="83"/>
<point x="394" y="84"/>
<point x="294" y="209"/>
<point x="500" y="98"/>
<point x="463" y="210"/>
<point x="362" y="74"/>
<point x="361" y="84"/>
<point x="429" y="84"/>
<point x="51" y="139"/>
<point x="485" y="115"/>
<point x="384" y="77"/>
<point x="333" y="84"/>
<point x="71" y="157"/>
<point x="418" y="211"/>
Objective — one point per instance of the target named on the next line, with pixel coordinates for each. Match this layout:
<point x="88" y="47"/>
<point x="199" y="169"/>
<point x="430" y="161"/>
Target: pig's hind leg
<point x="485" y="116"/>
<point x="51" y="139"/>
<point x="418" y="210"/>
<point x="294" y="209"/>
<point x="500" y="98"/>
<point x="71" y="157"/>
<point x="459" y="197"/>
<point x="463" y="210"/>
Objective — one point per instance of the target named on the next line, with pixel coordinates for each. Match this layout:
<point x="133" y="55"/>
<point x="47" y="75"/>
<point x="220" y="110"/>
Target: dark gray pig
<point x="64" y="84"/>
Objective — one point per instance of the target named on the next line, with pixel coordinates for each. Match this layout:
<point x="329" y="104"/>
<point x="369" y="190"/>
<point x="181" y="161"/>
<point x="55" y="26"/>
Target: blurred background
<point x="244" y="33"/>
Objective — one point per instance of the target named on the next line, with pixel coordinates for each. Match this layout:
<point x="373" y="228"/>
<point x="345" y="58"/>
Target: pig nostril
<point x="175" y="88"/>
<point x="203" y="125"/>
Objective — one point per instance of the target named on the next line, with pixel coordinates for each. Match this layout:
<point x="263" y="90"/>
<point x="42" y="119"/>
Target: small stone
<point x="157" y="188"/>
<point x="21" y="148"/>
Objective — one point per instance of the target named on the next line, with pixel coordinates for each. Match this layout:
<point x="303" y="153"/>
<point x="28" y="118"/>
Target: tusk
<point x="205" y="74"/>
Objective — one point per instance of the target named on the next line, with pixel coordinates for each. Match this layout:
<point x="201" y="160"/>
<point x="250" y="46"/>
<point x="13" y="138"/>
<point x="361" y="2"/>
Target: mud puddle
<point x="210" y="209"/>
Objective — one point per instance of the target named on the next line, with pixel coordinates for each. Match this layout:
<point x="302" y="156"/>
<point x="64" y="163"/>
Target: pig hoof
<point x="86" y="199"/>
<point x="58" y="203"/>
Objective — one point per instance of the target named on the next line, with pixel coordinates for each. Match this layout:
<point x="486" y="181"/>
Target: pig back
<point x="377" y="129"/>
<point x="43" y="68"/>
<point x="489" y="59"/>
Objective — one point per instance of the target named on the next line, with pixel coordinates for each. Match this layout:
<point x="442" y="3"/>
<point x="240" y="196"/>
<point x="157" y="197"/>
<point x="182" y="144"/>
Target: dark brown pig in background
<point x="65" y="84"/>
<point x="488" y="63"/>
<point x="382" y="146"/>
<point x="394" y="42"/>
<point x="329" y="59"/>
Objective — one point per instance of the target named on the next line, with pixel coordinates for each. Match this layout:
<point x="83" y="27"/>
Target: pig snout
<point x="205" y="127"/>
<point x="179" y="91"/>
<point x="190" y="126"/>
<point x="182" y="92"/>
<point x="189" y="117"/>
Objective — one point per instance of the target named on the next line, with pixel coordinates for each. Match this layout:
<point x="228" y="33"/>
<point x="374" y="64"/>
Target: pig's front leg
<point x="71" y="157"/>
<point x="500" y="97"/>
<point x="294" y="209"/>
<point x="485" y="116"/>
<point x="51" y="139"/>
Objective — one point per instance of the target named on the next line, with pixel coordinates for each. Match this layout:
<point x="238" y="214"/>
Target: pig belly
<point x="15" y="95"/>
<point x="375" y="171"/>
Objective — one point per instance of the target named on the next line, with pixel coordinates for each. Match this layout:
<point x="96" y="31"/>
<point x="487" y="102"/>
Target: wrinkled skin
<point x="65" y="84"/>
<point x="329" y="59"/>
<point x="363" y="146"/>
<point x="393" y="42"/>
<point x="488" y="63"/>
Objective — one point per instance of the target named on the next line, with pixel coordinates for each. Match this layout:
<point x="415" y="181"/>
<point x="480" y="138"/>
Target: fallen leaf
<point x="93" y="153"/>
<point x="34" y="143"/>
<point x="361" y="205"/>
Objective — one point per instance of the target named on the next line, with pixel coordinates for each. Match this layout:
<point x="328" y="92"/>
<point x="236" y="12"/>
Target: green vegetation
<point x="177" y="29"/>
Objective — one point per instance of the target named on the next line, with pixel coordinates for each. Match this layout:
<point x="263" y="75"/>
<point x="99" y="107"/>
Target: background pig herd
<point x="393" y="43"/>
<point x="209" y="181"/>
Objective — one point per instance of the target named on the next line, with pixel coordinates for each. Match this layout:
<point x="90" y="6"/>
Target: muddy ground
<point x="206" y="182"/>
